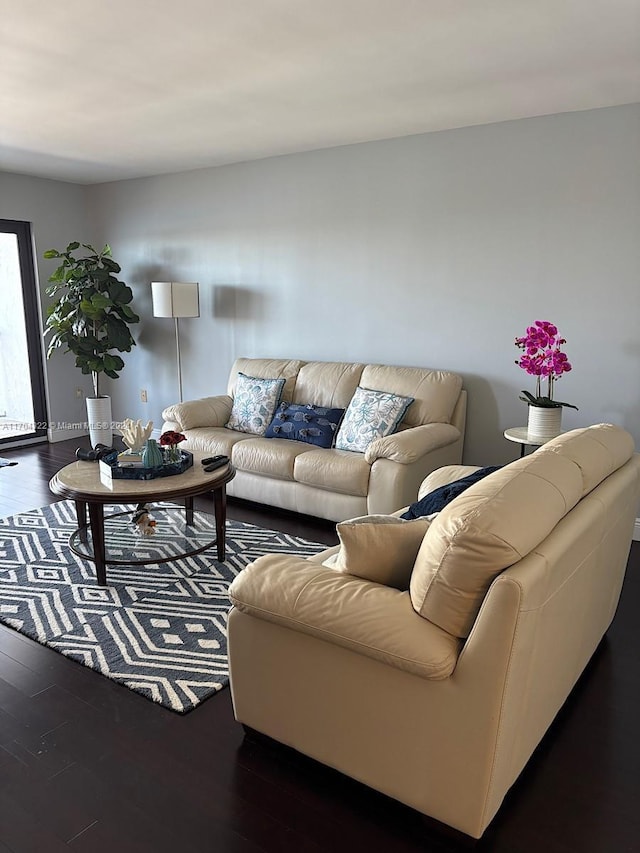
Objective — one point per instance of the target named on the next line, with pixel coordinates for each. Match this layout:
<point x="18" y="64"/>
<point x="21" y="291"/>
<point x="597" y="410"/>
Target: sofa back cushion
<point x="435" y="392"/>
<point x="326" y="383"/>
<point x="501" y="519"/>
<point x="266" y="368"/>
<point x="596" y="450"/>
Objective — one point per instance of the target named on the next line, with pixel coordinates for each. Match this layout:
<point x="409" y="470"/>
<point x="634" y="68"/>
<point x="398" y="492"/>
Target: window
<point x="22" y="399"/>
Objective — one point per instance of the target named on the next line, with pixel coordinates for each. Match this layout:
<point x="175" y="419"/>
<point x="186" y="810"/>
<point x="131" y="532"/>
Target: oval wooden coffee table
<point x="82" y="483"/>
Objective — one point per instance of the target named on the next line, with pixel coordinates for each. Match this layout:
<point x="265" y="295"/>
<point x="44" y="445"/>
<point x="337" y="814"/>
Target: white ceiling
<point x="100" y="90"/>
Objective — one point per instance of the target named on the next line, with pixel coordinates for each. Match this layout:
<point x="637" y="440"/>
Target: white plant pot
<point x="100" y="424"/>
<point x="545" y="422"/>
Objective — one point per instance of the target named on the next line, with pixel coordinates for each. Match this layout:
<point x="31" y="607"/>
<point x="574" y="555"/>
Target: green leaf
<point x="544" y="402"/>
<point x="59" y="274"/>
<point x="51" y="253"/>
<point x="100" y="302"/>
<point x="119" y="292"/>
<point x="110" y="264"/>
<point x="130" y="315"/>
<point x="113" y="362"/>
<point x="119" y="334"/>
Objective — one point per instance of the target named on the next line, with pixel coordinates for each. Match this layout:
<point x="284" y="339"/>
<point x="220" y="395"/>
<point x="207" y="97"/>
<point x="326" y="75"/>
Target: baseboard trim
<point x="54" y="435"/>
<point x="636" y="530"/>
<point x="23" y="442"/>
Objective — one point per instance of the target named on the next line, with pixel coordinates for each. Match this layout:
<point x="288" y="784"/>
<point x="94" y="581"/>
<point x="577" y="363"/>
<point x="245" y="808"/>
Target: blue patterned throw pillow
<point x="254" y="402"/>
<point x="370" y="415"/>
<point x="314" y="424"/>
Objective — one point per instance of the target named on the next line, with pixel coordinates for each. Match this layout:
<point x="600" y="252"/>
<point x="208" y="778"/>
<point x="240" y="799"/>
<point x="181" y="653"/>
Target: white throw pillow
<point x="254" y="403"/>
<point x="379" y="548"/>
<point x="370" y="415"/>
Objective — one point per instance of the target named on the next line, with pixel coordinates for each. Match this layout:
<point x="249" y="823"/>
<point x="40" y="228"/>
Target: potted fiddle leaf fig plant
<point x="90" y="317"/>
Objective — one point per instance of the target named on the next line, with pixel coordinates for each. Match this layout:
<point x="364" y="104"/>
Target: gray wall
<point x="432" y="250"/>
<point x="58" y="215"/>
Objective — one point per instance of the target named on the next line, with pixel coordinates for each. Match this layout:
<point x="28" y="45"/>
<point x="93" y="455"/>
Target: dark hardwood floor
<point x="87" y="765"/>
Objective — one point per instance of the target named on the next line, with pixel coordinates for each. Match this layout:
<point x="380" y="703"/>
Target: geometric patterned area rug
<point x="160" y="629"/>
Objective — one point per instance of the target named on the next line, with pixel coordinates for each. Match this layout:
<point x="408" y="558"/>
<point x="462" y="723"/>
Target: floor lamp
<point x="176" y="299"/>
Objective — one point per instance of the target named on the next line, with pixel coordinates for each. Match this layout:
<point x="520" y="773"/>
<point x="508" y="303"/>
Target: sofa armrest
<point x="444" y="476"/>
<point x="206" y="412"/>
<point x="409" y="445"/>
<point x="365" y="617"/>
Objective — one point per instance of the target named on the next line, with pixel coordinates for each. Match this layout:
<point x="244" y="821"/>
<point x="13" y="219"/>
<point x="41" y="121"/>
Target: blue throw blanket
<point x="439" y="498"/>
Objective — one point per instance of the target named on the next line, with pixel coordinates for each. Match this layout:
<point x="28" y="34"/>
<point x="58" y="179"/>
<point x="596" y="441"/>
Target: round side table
<point x="520" y="435"/>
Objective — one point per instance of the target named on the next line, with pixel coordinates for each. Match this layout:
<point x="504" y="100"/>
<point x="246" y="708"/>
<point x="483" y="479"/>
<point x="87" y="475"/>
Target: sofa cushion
<point x="487" y="528"/>
<point x="366" y="618"/>
<point x="254" y="403"/>
<point x="267" y="368"/>
<point x="435" y="392"/>
<point x="267" y="456"/>
<point x="315" y="425"/>
<point x="379" y="548"/>
<point x="370" y="415"/>
<point x="334" y="470"/>
<point x="326" y="383"/>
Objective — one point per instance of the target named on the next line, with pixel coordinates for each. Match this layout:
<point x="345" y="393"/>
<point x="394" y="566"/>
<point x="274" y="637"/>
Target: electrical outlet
<point x="143" y="395"/>
<point x="78" y="393"/>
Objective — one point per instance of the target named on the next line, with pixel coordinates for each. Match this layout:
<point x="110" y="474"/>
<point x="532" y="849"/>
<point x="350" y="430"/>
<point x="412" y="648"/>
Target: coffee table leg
<point x="81" y="515"/>
<point x="220" y="509"/>
<point x="96" y="520"/>
<point x="188" y="511"/>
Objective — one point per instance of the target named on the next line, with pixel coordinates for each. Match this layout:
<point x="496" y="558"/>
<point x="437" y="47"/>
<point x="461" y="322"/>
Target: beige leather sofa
<point x="437" y="694"/>
<point x="325" y="482"/>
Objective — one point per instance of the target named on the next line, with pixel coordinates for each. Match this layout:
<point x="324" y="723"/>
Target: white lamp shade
<point x="175" y="298"/>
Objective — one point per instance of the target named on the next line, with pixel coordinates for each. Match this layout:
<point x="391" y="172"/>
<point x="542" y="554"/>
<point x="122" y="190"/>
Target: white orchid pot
<point x="545" y="422"/>
<point x="100" y="423"/>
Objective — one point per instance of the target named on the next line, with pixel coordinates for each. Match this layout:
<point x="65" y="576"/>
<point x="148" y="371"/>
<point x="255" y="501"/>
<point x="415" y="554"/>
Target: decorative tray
<point x="110" y="468"/>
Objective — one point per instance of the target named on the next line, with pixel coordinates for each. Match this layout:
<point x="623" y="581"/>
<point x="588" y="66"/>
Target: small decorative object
<point x="134" y="435"/>
<point x="544" y="359"/>
<point x="170" y="441"/>
<point x="152" y="455"/>
<point x="144" y="524"/>
<point x="112" y="468"/>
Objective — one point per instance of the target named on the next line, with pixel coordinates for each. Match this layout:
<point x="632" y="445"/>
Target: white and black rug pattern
<point x="159" y="629"/>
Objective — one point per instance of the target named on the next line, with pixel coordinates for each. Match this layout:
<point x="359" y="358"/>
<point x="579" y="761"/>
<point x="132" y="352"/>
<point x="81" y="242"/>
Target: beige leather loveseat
<point x="438" y="693"/>
<point x="325" y="482"/>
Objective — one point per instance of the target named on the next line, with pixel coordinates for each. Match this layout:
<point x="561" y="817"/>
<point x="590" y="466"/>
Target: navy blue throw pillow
<point x="314" y="424"/>
<point x="439" y="498"/>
